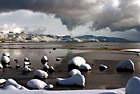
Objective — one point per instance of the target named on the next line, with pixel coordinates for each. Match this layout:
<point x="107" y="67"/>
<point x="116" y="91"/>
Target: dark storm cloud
<point x="115" y="14"/>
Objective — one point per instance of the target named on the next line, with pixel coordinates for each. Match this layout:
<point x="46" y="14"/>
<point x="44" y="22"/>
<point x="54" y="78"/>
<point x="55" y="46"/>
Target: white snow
<point x="74" y="72"/>
<point x="126" y="65"/>
<point x="77" y="61"/>
<point x="77" y="79"/>
<point x="133" y="86"/>
<point x="26" y="63"/>
<point x="102" y="67"/>
<point x="113" y="91"/>
<point x="40" y="74"/>
<point x="85" y="67"/>
<point x="26" y="59"/>
<point x="2" y="81"/>
<point x="36" y="84"/>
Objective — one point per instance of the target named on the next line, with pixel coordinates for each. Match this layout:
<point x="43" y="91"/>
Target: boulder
<point x="133" y="86"/>
<point x="36" y="84"/>
<point x="126" y="66"/>
<point x="40" y="74"/>
<point x="76" y="62"/>
<point x="78" y="80"/>
<point x="44" y="60"/>
<point x="85" y="67"/>
<point x="74" y="72"/>
<point x="102" y="67"/>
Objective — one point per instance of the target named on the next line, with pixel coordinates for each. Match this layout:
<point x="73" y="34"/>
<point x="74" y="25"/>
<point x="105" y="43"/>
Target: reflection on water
<point x="94" y="79"/>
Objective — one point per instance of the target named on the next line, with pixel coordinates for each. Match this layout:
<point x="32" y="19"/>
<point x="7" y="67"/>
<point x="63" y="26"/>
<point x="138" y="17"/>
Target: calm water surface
<point x="95" y="79"/>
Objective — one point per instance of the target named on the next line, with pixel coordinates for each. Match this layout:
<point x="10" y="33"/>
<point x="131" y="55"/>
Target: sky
<point x="113" y="18"/>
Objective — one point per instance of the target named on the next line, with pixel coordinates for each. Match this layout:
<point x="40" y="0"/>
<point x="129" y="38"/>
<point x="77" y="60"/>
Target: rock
<point x="36" y="84"/>
<point x="40" y="74"/>
<point x="44" y="60"/>
<point x="17" y="66"/>
<point x="74" y="72"/>
<point x="46" y="67"/>
<point x="126" y="66"/>
<point x="49" y="86"/>
<point x="51" y="69"/>
<point x="54" y="48"/>
<point x="85" y="67"/>
<point x="1" y="67"/>
<point x="103" y="67"/>
<point x="26" y="59"/>
<point x="6" y="54"/>
<point x="5" y="61"/>
<point x="133" y="86"/>
<point x="26" y="69"/>
<point x="75" y="62"/>
<point x="2" y="81"/>
<point x="57" y="59"/>
<point x="78" y="80"/>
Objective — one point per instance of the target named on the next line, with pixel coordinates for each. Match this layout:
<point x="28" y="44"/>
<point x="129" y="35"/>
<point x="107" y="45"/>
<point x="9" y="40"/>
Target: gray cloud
<point x="115" y="14"/>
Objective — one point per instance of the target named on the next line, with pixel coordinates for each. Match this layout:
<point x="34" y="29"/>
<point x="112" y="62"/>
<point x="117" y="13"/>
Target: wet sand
<point x="95" y="54"/>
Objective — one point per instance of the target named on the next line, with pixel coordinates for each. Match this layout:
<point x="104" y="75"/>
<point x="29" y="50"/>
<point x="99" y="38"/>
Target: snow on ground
<point x="113" y="91"/>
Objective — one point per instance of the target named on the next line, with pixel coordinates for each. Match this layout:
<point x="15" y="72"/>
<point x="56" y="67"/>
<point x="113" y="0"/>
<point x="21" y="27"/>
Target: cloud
<point x="118" y="15"/>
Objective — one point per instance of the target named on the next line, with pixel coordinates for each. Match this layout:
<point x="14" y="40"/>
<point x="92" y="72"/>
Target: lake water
<point x="94" y="53"/>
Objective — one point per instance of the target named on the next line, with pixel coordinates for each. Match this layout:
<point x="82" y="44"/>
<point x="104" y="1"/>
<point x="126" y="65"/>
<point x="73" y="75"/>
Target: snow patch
<point x="40" y="74"/>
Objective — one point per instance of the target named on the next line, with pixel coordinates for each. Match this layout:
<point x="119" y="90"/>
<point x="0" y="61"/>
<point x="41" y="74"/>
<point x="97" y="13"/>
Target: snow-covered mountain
<point x="25" y="37"/>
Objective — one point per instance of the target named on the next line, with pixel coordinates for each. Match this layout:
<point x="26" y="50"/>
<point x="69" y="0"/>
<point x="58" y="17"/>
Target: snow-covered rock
<point x="76" y="62"/>
<point x="44" y="60"/>
<point x="57" y="59"/>
<point x="85" y="67"/>
<point x="51" y="69"/>
<point x="74" y="72"/>
<point x="46" y="67"/>
<point x="1" y="66"/>
<point x="17" y="66"/>
<point x="5" y="61"/>
<point x="102" y="67"/>
<point x="26" y="59"/>
<point x="6" y="54"/>
<point x="126" y="65"/>
<point x="26" y="63"/>
<point x="40" y="74"/>
<point x="26" y="69"/>
<point x="36" y="84"/>
<point x="2" y="81"/>
<point x="48" y="86"/>
<point x="77" y="79"/>
<point x="133" y="86"/>
<point x="12" y="84"/>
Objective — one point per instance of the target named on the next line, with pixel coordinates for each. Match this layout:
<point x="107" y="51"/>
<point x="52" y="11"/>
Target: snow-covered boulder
<point x="2" y="81"/>
<point x="26" y="69"/>
<point x="133" y="86"/>
<point x="126" y="66"/>
<point x="85" y="67"/>
<point x="26" y="59"/>
<point x="17" y="66"/>
<point x="102" y="67"/>
<point x="77" y="79"/>
<point x="46" y="67"/>
<point x="57" y="59"/>
<point x="5" y="61"/>
<point x="74" y="72"/>
<point x="1" y="66"/>
<point x="76" y="62"/>
<point x="44" y="60"/>
<point x="40" y="74"/>
<point x="13" y="85"/>
<point x="49" y="86"/>
<point x="6" y="54"/>
<point x="36" y="84"/>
